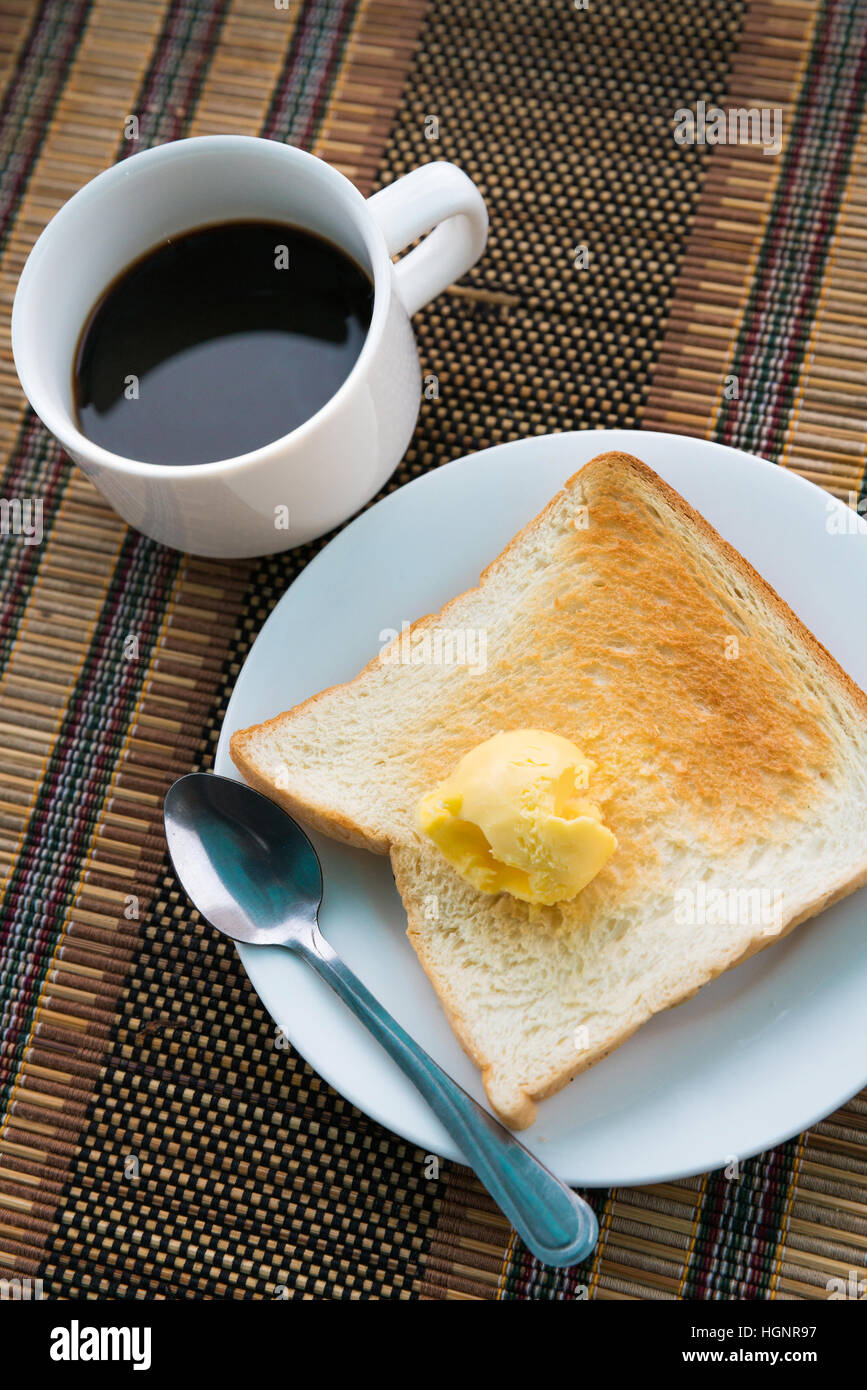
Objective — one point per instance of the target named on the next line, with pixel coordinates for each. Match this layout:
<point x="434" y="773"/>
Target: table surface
<point x="155" y="1141"/>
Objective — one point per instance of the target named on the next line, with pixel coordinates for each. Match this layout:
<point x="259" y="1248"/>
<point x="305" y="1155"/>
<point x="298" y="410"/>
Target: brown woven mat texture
<point x="155" y="1141"/>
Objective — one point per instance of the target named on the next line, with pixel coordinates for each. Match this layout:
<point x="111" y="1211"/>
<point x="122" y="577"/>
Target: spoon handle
<point x="555" y="1223"/>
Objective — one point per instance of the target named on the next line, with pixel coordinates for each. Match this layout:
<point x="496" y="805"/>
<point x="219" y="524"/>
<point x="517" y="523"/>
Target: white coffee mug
<point x="303" y="484"/>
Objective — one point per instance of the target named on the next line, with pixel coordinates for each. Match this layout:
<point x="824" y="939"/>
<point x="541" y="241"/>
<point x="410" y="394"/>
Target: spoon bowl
<point x="254" y="875"/>
<point x="247" y="865"/>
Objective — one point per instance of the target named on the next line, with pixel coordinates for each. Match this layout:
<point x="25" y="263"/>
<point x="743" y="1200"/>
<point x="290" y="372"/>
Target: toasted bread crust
<point x="736" y="562"/>
<point x="322" y="818"/>
<point x="518" y="1107"/>
<point x="332" y="823"/>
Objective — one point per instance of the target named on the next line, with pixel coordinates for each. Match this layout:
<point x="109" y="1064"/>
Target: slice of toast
<point x="731" y="764"/>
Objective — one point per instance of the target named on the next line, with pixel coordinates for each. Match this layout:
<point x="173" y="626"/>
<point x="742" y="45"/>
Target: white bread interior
<point x="731" y="764"/>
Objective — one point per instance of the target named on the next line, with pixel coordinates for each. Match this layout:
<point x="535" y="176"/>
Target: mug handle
<point x="436" y="196"/>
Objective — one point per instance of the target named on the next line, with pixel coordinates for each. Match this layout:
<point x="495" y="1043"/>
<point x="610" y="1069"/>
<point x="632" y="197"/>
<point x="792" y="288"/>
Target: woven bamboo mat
<point x="154" y="1139"/>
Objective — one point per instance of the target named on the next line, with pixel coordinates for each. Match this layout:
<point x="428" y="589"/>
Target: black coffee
<point x="219" y="341"/>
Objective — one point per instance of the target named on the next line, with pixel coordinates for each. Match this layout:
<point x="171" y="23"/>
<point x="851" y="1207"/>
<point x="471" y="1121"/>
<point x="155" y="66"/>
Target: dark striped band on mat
<point x="773" y="273"/>
<point x="38" y="64"/>
<point x="30" y="97"/>
<point x="775" y="328"/>
<point x="299" y="101"/>
<point x="157" y="1140"/>
<point x="170" y="90"/>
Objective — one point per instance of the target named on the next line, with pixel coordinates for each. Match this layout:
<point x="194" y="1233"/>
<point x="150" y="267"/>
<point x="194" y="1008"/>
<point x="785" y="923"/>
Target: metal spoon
<point x="254" y="875"/>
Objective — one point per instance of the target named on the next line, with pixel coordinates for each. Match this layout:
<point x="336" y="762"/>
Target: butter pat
<point x="513" y="818"/>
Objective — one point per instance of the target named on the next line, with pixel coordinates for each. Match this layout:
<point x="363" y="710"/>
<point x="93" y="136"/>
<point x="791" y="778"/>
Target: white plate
<point x="754" y="1058"/>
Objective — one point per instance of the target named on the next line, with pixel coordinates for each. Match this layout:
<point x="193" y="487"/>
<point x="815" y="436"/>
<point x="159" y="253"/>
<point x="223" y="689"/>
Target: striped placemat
<point x="156" y="1141"/>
